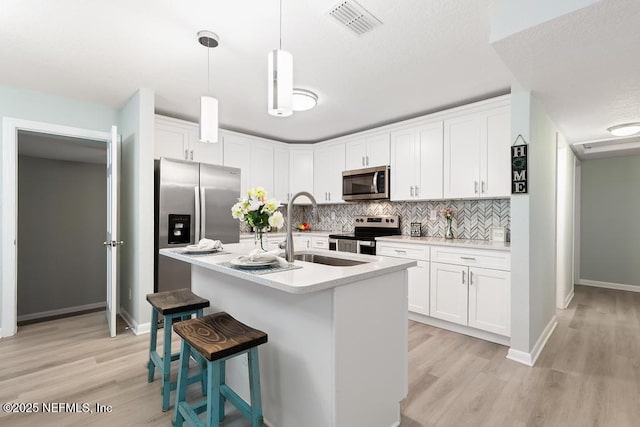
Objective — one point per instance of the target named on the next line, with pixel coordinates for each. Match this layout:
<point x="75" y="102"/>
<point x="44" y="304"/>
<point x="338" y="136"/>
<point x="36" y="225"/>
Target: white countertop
<point x="282" y="235"/>
<point x="441" y="241"/>
<point x="310" y="278"/>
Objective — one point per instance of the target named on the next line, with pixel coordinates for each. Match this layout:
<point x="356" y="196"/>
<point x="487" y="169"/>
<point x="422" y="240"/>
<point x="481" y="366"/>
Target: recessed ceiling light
<point x="304" y="99"/>
<point x="626" y="129"/>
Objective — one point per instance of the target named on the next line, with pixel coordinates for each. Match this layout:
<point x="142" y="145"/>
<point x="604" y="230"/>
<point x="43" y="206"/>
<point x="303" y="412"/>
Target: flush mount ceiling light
<point x="303" y="99"/>
<point x="208" y="104"/>
<point x="280" y="79"/>
<point x="626" y="129"/>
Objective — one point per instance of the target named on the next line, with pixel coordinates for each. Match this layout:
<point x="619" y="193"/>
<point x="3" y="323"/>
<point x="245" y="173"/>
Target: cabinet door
<point x="377" y="153"/>
<point x="320" y="242"/>
<point x="356" y="152"/>
<point x="419" y="288"/>
<point x="327" y="173"/>
<point x="301" y="173"/>
<point x="463" y="139"/>
<point x="261" y="166"/>
<point x="490" y="300"/>
<point x="448" y="291"/>
<point x="204" y="152"/>
<point x="170" y="141"/>
<point x="404" y="165"/>
<point x="281" y="174"/>
<point x="237" y="154"/>
<point x="430" y="142"/>
<point x="495" y="180"/>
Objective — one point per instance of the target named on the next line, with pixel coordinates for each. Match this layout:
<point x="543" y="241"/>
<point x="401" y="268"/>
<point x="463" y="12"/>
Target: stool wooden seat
<point x="176" y="305"/>
<point x="217" y="338"/>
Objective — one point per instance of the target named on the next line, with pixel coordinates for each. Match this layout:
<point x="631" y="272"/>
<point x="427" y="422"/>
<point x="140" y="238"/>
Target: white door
<point x="112" y="242"/>
<point x="448" y="290"/>
<point x="463" y="139"/>
<point x="490" y="300"/>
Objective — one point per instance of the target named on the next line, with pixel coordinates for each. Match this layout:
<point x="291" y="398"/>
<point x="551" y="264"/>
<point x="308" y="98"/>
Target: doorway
<point x="9" y="212"/>
<point x="62" y="216"/>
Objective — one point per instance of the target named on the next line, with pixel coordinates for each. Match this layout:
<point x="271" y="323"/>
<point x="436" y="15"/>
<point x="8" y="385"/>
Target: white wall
<point x="36" y="106"/>
<point x="533" y="222"/>
<point x="136" y="212"/>
<point x="565" y="223"/>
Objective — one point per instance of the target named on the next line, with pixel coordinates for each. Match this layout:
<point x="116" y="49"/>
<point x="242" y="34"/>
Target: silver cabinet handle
<point x="362" y="160"/>
<point x="367" y="160"/>
<point x="186" y="154"/>
<point x="475" y="187"/>
<point x="417" y="191"/>
<point x="471" y="278"/>
<point x="191" y="154"/>
<point x="329" y="195"/>
<point x="463" y="276"/>
<point x="400" y="251"/>
<point x="483" y="190"/>
<point x="470" y="258"/>
<point x="411" y="190"/>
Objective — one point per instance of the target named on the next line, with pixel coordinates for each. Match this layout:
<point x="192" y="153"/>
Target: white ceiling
<point x="57" y="147"/>
<point x="428" y="55"/>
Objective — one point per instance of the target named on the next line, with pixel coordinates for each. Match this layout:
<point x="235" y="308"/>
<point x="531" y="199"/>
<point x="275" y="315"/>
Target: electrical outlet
<point x="434" y="214"/>
<point x="333" y="216"/>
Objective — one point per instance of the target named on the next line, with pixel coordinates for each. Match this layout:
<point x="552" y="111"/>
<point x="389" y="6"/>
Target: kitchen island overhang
<point x="337" y="351"/>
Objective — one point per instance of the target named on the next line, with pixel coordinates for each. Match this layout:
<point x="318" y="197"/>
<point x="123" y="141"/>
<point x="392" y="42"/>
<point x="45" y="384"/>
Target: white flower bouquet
<point x="258" y="211"/>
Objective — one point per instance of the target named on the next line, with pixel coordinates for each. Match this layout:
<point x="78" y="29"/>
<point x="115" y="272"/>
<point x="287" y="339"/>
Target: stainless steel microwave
<point x="366" y="184"/>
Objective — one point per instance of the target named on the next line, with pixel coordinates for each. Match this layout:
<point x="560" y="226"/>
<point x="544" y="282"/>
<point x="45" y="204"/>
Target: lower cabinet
<point x="449" y="292"/>
<point x="320" y="243"/>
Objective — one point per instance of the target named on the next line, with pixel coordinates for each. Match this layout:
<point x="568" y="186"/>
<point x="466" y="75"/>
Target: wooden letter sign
<point x="519" y="169"/>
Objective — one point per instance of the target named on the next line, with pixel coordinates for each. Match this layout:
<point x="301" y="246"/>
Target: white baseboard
<point x="60" y="311"/>
<point x="568" y="299"/>
<point x="0" y="332"/>
<point x="465" y="330"/>
<point x="610" y="285"/>
<point x="529" y="359"/>
<point x="138" y="329"/>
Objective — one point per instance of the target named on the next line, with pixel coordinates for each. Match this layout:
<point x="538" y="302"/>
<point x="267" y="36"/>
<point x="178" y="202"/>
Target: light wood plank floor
<point x="588" y="374"/>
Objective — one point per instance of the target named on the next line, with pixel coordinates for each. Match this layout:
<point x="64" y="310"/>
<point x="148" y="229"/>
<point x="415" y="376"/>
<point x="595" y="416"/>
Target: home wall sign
<point x="519" y="173"/>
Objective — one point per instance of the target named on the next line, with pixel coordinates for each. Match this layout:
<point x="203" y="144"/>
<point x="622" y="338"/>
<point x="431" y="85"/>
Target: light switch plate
<point x="433" y="214"/>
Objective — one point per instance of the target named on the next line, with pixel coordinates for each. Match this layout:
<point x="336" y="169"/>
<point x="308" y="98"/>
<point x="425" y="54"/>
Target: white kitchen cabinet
<point x="476" y="155"/>
<point x="254" y="157"/>
<point x="465" y="291"/>
<point x="416" y="162"/>
<point x="318" y="242"/>
<point x="301" y="242"/>
<point x="367" y="151"/>
<point x="262" y="168"/>
<point x="281" y="174"/>
<point x="449" y="292"/>
<point x="178" y="139"/>
<point x="301" y="173"/>
<point x="418" y="279"/>
<point x="237" y="154"/>
<point x="327" y="173"/>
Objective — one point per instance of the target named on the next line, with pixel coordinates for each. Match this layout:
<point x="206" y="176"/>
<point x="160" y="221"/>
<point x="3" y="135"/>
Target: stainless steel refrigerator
<point x="192" y="201"/>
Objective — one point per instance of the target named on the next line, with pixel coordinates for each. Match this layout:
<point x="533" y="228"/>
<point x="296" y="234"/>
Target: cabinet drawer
<point x="403" y="250"/>
<point x="497" y="260"/>
<point x="320" y="242"/>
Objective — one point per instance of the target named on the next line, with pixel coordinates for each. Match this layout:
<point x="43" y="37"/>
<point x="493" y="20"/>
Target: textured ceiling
<point x="426" y="56"/>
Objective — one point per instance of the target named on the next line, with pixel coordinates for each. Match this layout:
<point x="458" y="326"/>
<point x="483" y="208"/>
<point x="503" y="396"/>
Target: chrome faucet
<point x="289" y="242"/>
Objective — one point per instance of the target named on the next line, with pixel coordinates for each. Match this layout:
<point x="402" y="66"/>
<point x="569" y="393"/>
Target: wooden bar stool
<point x="218" y="337"/>
<point x="174" y="306"/>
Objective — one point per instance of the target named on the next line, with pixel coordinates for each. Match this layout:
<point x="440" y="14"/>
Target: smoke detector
<point x="354" y="17"/>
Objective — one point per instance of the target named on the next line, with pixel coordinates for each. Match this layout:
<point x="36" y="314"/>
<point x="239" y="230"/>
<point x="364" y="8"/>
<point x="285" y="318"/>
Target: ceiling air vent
<point x="354" y="17"/>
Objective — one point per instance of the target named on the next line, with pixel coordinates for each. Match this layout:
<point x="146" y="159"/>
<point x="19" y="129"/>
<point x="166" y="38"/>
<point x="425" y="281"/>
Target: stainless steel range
<point x="363" y="238"/>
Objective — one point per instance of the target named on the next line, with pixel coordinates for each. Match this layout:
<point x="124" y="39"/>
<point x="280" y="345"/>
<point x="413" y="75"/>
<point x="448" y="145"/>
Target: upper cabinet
<point x="237" y="154"/>
<point x="301" y="172"/>
<point x="476" y="155"/>
<point x="367" y="151"/>
<point x="253" y="156"/>
<point x="416" y="162"/>
<point x="178" y="139"/>
<point x="281" y="173"/>
<point x="328" y="164"/>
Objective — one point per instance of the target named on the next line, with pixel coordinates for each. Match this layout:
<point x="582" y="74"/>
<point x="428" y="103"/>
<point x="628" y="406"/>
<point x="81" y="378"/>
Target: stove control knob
<point x="391" y="219"/>
<point x="387" y="220"/>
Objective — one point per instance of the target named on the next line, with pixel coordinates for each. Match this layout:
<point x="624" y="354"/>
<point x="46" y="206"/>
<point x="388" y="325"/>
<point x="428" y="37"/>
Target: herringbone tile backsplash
<point x="473" y="218"/>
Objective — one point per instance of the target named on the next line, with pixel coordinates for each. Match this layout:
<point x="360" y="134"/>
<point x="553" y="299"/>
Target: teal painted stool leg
<point x="152" y="345"/>
<point x="223" y="373"/>
<point x="203" y="365"/>
<point x="254" y="386"/>
<point x="183" y="375"/>
<point x="166" y="363"/>
<point x="213" y="399"/>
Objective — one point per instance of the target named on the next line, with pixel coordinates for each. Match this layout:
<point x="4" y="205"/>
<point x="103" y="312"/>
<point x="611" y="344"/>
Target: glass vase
<point x="260" y="239"/>
<point x="448" y="233"/>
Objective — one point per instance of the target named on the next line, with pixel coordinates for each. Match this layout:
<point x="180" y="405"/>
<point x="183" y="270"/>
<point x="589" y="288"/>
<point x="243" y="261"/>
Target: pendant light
<point x="208" y="104"/>
<point x="280" y="79"/>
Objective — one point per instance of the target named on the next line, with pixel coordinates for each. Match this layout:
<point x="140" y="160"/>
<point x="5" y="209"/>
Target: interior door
<point x="112" y="242"/>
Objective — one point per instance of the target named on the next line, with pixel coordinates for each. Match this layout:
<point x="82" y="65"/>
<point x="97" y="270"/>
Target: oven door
<point x="366" y="184"/>
<point x="345" y="245"/>
<point x="366" y="247"/>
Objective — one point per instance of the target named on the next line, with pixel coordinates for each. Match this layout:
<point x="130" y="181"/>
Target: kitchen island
<point x="337" y="350"/>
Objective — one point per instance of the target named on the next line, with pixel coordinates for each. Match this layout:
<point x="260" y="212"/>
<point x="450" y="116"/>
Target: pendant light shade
<point x="208" y="119"/>
<point x="208" y="104"/>
<point x="280" y="75"/>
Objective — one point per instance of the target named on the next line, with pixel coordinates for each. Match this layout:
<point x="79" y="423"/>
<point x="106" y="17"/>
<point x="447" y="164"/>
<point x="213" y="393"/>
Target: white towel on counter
<point x="258" y="255"/>
<point x="206" y="245"/>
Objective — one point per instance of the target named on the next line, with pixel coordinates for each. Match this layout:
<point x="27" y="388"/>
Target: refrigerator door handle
<point x="203" y="204"/>
<point x="197" y="215"/>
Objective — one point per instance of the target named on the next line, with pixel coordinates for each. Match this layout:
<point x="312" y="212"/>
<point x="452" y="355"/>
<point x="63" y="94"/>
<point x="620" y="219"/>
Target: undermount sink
<point x="326" y="260"/>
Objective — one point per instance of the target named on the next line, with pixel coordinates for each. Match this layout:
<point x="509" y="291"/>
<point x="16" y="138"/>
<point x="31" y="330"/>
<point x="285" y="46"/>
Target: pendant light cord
<point x="208" y="66"/>
<point x="280" y="24"/>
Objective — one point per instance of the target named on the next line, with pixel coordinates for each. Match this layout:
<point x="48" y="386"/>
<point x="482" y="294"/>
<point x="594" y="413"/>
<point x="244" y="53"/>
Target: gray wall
<point x="61" y="226"/>
<point x="610" y="225"/>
